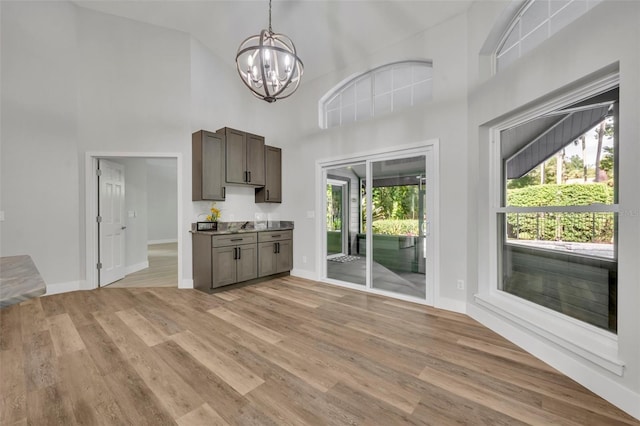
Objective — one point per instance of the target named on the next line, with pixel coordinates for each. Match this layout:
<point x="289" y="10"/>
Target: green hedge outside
<point x="573" y="227"/>
<point x="395" y="227"/>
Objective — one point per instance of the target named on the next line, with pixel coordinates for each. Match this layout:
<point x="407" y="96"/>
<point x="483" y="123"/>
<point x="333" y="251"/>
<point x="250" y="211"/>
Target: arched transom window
<point x="382" y="90"/>
<point x="537" y="21"/>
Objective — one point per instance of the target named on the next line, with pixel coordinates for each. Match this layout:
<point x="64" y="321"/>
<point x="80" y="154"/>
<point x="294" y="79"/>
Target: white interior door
<point x="111" y="221"/>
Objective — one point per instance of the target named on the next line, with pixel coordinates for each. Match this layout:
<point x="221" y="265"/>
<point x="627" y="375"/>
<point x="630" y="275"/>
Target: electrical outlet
<point x="460" y="284"/>
<point x="311" y="214"/>
<point x="304" y="259"/>
<point x="1" y="216"/>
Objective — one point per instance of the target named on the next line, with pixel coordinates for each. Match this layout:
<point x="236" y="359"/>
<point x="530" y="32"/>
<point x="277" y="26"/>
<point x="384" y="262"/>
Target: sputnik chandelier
<point x="268" y="65"/>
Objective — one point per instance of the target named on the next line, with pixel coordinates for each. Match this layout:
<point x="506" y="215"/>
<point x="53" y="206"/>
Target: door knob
<point x="123" y="228"/>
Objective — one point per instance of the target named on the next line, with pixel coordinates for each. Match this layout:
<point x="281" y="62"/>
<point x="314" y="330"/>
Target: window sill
<point x="597" y="346"/>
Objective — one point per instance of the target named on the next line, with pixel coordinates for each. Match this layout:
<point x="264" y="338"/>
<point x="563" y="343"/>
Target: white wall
<point x="606" y="37"/>
<point x="162" y="199"/>
<point x="40" y="162"/>
<point x="304" y="143"/>
<point x="134" y="94"/>
<point x="219" y="99"/>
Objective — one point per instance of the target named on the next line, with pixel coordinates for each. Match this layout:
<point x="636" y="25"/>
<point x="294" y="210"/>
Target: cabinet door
<point x="223" y="266"/>
<point x="236" y="156"/>
<point x="247" y="263"/>
<point x="213" y="166"/>
<point x="285" y="256"/>
<point x="208" y="166"/>
<point x="273" y="162"/>
<point x="266" y="259"/>
<point x="272" y="190"/>
<point x="255" y="160"/>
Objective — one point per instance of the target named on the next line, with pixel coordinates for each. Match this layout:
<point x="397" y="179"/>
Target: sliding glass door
<point x="398" y="225"/>
<point x="378" y="222"/>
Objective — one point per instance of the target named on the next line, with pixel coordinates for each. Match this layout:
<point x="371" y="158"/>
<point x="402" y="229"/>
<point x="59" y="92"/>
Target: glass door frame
<point x="344" y="219"/>
<point x="429" y="149"/>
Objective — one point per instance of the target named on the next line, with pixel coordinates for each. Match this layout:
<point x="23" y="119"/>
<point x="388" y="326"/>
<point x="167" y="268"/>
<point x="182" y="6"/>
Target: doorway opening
<point x="380" y="215"/>
<point x="133" y="205"/>
<point x="337" y="217"/>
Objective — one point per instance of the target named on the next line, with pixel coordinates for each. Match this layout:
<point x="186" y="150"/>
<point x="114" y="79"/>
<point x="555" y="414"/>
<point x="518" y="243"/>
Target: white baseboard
<point x="303" y="273"/>
<point x="185" y="283"/>
<point x="454" y="305"/>
<point x="591" y="378"/>
<point x="171" y="240"/>
<point x="66" y="287"/>
<point x="135" y="268"/>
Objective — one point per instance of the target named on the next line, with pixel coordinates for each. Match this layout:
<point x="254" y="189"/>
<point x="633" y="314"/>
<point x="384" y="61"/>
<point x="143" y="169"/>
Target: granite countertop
<point x="226" y="228"/>
<point x="19" y="280"/>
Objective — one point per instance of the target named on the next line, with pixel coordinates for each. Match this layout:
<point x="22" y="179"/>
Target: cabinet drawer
<point x="275" y="236"/>
<point x="234" y="239"/>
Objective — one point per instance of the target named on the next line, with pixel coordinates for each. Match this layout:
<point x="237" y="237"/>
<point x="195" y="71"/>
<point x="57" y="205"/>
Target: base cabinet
<point x="275" y="252"/>
<point x="284" y="260"/>
<point x="233" y="258"/>
<point x="223" y="266"/>
<point x="220" y="260"/>
<point x="233" y="264"/>
<point x="247" y="263"/>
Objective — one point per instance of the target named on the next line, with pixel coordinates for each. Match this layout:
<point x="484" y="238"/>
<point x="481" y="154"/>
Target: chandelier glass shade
<point x="268" y="65"/>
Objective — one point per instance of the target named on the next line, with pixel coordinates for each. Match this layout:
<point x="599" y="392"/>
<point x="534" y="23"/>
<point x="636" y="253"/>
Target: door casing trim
<point x="91" y="209"/>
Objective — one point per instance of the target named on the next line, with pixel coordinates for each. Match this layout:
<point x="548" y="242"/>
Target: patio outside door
<point x="399" y="225"/>
<point x="379" y="227"/>
<point x="337" y="220"/>
<point x="345" y="240"/>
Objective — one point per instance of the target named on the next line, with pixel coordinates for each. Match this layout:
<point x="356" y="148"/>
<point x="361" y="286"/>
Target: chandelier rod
<point x="270" y="30"/>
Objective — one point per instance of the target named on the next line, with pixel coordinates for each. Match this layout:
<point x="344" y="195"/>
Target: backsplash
<point x="239" y="206"/>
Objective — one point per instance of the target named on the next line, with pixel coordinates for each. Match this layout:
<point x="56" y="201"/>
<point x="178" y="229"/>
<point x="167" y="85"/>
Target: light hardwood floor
<point x="283" y="352"/>
<point x="162" y="270"/>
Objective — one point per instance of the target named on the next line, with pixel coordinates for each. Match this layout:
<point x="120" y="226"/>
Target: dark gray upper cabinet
<point x="255" y="159"/>
<point x="236" y="155"/>
<point x="272" y="190"/>
<point x="244" y="157"/>
<point x="208" y="166"/>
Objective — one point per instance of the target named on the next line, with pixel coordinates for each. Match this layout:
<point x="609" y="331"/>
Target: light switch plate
<point x="2" y="216"/>
<point x="311" y="214"/>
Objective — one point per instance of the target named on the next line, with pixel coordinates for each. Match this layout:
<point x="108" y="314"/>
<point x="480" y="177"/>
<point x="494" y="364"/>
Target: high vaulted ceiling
<point x="328" y="34"/>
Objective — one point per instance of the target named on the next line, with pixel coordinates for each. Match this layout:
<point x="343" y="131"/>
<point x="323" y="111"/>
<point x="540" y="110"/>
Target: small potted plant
<point x="215" y="213"/>
<point x="211" y="223"/>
